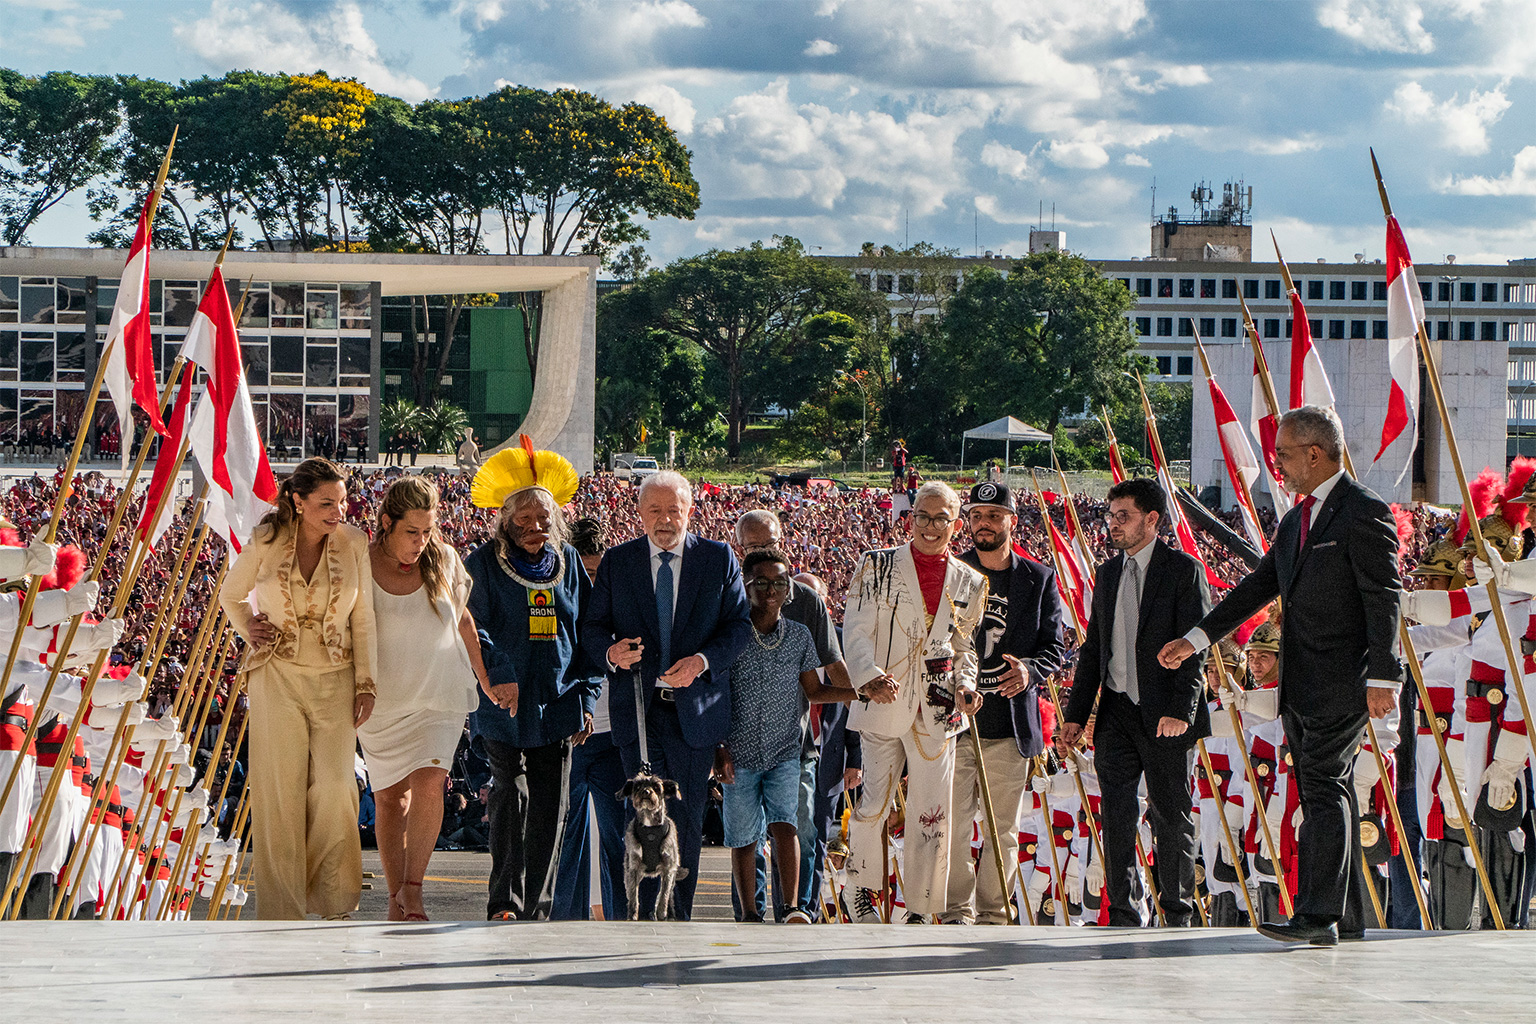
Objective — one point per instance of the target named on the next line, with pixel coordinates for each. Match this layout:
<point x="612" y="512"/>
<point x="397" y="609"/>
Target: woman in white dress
<point x="429" y="661"/>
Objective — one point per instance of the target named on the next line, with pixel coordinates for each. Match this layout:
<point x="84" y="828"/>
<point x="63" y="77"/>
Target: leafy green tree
<point x="646" y="375"/>
<point x="758" y="313"/>
<point x="56" y="136"/>
<point x="1049" y="338"/>
<point x="421" y="178"/>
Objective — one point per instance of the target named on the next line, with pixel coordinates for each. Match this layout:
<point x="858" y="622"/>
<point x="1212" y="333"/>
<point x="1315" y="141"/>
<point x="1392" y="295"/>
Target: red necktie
<point x="1306" y="520"/>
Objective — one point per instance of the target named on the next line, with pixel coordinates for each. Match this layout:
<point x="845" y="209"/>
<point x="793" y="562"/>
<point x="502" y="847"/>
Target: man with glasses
<point x="1018" y="643"/>
<point x="1334" y="565"/>
<point x="907" y="630"/>
<point x="1149" y="716"/>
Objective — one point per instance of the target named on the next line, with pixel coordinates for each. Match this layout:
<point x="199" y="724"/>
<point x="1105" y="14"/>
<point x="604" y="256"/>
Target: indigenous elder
<point x="300" y="596"/>
<point x="429" y="660"/>
<point x="760" y="762"/>
<point x="530" y="588"/>
<point x="1334" y="562"/>
<point x="912" y="611"/>
<point x="670" y="616"/>
<point x="1018" y="643"/>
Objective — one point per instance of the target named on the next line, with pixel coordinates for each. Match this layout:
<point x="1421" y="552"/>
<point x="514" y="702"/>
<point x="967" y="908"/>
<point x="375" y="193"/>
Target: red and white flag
<point x="224" y="436"/>
<point x="1309" y="381"/>
<point x="130" y="372"/>
<point x="166" y="465"/>
<point x="1405" y="311"/>
<point x="1181" y="527"/>
<point x="1073" y="582"/>
<point x="1264" y="426"/>
<point x="1242" y="464"/>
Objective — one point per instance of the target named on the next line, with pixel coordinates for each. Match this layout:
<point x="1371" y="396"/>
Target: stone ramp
<point x="579" y="971"/>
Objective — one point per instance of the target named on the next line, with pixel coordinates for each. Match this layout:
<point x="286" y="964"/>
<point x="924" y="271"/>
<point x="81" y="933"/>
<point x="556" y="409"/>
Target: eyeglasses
<point x="924" y="519"/>
<point x="779" y="585"/>
<point x="1280" y="449"/>
<point x="1119" y="518"/>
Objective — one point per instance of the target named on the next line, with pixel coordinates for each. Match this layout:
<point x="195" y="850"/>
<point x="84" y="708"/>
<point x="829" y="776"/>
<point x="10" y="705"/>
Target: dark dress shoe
<point x="1324" y="934"/>
<point x="1351" y="934"/>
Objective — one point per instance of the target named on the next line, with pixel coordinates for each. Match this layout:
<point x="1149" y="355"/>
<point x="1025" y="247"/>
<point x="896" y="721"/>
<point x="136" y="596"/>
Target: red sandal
<point x="413" y="917"/>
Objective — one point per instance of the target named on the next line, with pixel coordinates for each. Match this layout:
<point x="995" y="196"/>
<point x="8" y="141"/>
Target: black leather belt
<point x="1493" y="693"/>
<point x="666" y="693"/>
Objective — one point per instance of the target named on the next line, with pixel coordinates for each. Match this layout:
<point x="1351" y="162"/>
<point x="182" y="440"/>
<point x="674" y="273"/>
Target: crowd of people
<point x="802" y="558"/>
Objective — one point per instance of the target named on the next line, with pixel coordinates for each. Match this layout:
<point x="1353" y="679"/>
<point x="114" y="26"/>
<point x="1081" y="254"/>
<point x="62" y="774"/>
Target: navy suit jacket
<point x="710" y="618"/>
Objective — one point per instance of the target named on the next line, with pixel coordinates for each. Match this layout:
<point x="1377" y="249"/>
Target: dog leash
<point x="645" y="752"/>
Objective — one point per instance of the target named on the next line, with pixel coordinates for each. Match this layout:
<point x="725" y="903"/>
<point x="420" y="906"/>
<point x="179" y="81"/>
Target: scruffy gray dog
<point x="650" y="843"/>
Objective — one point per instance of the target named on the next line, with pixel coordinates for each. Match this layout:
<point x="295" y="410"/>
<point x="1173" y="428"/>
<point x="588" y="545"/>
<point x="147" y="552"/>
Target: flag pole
<point x="1265" y="378"/>
<point x="112" y="763"/>
<point x="1244" y="492"/>
<point x="1237" y="721"/>
<point x="1516" y="663"/>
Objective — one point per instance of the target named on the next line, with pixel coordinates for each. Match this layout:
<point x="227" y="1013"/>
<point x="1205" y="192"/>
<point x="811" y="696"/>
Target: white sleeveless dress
<point x="426" y="687"/>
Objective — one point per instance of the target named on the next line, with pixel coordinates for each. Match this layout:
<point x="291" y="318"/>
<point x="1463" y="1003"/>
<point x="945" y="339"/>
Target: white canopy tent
<point x="1008" y="430"/>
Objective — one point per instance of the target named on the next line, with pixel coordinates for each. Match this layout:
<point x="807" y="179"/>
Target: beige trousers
<point x="977" y="896"/>
<point x="304" y="835"/>
<point x="929" y="762"/>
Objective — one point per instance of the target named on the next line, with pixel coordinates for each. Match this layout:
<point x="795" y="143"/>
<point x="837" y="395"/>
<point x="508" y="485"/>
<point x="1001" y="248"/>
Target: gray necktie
<point x="1127" y="618"/>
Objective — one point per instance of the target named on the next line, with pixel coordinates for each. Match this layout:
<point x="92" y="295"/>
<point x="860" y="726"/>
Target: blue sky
<point x="844" y="121"/>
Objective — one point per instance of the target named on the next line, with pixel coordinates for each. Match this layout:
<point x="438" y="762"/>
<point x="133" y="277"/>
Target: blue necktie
<point x="664" y="608"/>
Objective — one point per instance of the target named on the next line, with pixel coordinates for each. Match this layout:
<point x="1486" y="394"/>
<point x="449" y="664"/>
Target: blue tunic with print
<point x="556" y="683"/>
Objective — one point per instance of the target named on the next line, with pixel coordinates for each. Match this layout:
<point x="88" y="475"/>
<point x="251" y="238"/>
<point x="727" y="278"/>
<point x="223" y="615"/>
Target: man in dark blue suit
<point x="669" y="608"/>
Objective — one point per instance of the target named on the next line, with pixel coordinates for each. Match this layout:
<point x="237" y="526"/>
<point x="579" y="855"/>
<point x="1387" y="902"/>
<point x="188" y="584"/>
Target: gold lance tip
<point x="228" y="236"/>
<point x="1381" y="186"/>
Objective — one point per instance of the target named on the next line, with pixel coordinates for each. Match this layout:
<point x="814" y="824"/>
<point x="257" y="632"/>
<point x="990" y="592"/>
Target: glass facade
<point x="307" y="348"/>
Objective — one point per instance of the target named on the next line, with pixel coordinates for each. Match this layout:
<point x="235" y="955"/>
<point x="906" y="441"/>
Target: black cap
<point x="989" y="493"/>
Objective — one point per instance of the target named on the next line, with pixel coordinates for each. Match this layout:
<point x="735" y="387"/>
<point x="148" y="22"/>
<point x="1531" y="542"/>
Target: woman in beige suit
<point x="301" y="594"/>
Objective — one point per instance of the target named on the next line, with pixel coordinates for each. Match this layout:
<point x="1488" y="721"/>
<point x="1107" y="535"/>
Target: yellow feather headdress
<point x="517" y="469"/>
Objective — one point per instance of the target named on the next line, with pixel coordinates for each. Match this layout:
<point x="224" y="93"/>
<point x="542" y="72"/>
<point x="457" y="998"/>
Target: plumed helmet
<point x="1443" y="559"/>
<point x="1265" y="638"/>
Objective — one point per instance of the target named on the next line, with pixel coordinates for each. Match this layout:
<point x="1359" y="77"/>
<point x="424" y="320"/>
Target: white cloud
<point x="764" y="146"/>
<point x="1183" y="75"/>
<point x="821" y="48"/>
<point x="266" y="36"/>
<point x="1135" y="160"/>
<point x="1459" y="125"/>
<point x="1520" y="181"/>
<point x="66" y="23"/>
<point x="670" y="104"/>
<point x="1392" y="25"/>
<point x="1005" y="159"/>
<point x="1082" y="155"/>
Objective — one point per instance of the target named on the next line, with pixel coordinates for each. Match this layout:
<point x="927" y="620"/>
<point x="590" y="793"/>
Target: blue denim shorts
<point x="759" y="799"/>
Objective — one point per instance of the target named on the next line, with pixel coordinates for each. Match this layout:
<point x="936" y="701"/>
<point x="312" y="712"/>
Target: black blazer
<point x="840" y="747"/>
<point x="1340" y="599"/>
<point x="1033" y="630"/>
<point x="1173" y="600"/>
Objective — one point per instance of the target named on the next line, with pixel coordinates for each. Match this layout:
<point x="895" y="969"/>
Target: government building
<point x="327" y="339"/>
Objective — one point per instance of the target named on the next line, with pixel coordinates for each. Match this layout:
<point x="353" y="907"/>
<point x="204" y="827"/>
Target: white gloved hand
<point x="157" y="730"/>
<point x="1094" y="881"/>
<point x="137" y="712"/>
<point x="1504" y="770"/>
<point x="1431" y="607"/>
<point x="1040" y="783"/>
<point x="36" y="559"/>
<point x="197" y="798"/>
<point x="54" y="606"/>
<point x="98" y="636"/>
<point x="177" y="755"/>
<point x="185" y="776"/>
<point x="210" y="835"/>
<point x="109" y="692"/>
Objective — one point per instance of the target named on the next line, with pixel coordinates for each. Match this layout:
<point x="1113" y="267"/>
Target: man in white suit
<point x="907" y="629"/>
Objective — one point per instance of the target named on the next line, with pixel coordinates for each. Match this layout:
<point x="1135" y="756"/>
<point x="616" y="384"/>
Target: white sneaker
<point x="865" y="908"/>
<point x="797" y="917"/>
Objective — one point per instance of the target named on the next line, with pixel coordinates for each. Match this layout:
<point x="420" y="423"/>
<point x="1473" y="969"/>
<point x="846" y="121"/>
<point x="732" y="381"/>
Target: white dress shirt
<point x="1320" y="493"/>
